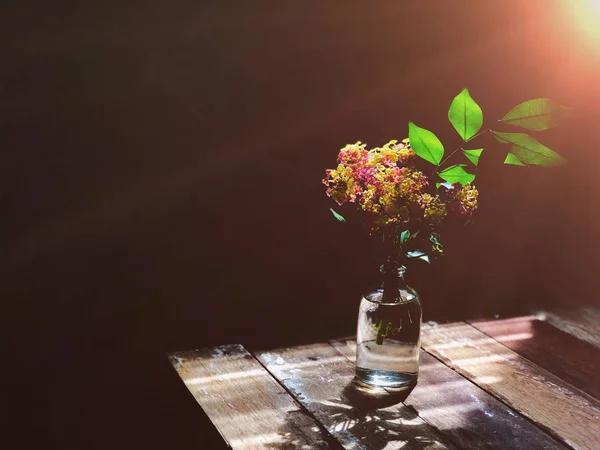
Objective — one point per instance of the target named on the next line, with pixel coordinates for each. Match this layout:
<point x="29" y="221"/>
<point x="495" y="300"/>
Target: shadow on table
<point x="360" y="416"/>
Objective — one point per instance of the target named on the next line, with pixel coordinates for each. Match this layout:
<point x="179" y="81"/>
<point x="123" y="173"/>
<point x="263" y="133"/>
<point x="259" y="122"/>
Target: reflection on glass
<point x="388" y="335"/>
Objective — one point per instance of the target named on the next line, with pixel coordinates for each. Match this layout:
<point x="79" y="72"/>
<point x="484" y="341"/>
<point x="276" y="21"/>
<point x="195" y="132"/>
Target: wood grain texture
<point x="248" y="407"/>
<point x="583" y="323"/>
<point x="468" y="415"/>
<point x="559" y="408"/>
<point x="321" y="379"/>
<point x="575" y="361"/>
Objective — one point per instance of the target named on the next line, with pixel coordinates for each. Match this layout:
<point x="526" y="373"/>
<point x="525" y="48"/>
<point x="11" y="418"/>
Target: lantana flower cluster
<point x="384" y="183"/>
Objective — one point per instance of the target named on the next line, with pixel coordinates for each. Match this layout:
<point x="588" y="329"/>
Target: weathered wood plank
<point x="559" y="408"/>
<point x="467" y="414"/>
<point x="245" y="403"/>
<point x="321" y="379"/>
<point x="583" y="323"/>
<point x="575" y="361"/>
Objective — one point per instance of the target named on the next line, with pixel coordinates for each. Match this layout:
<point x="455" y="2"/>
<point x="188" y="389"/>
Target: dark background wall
<point x="160" y="171"/>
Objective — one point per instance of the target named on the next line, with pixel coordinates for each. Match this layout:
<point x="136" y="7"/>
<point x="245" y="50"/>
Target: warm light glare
<point x="587" y="16"/>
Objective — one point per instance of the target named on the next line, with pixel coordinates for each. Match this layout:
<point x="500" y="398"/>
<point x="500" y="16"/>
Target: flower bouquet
<point x="406" y="204"/>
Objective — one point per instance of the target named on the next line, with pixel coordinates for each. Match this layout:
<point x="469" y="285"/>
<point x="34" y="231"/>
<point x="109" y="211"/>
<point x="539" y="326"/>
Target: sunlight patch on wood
<point x="483" y="359"/>
<point x="226" y="376"/>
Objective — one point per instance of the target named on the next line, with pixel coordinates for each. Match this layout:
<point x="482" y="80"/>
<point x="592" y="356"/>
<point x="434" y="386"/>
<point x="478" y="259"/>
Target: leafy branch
<point x="466" y="117"/>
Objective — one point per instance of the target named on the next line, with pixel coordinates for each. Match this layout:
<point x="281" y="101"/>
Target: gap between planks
<point x="582" y="322"/>
<point x="575" y="361"/>
<point x="249" y="408"/>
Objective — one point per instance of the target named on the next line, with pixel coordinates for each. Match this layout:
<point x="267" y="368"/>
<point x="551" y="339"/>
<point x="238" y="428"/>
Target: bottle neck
<point x="392" y="270"/>
<point x="392" y="281"/>
<point x="392" y="249"/>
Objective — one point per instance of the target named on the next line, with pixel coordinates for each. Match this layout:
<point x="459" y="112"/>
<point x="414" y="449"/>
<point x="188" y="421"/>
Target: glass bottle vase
<point x="388" y="338"/>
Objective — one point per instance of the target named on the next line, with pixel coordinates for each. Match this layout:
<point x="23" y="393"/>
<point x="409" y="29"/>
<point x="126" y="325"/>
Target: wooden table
<point x="517" y="383"/>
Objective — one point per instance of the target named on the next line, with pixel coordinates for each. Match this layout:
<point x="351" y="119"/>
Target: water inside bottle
<point x="388" y="343"/>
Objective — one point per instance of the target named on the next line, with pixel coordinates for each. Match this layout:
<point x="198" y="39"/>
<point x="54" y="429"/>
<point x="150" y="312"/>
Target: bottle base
<point x="386" y="379"/>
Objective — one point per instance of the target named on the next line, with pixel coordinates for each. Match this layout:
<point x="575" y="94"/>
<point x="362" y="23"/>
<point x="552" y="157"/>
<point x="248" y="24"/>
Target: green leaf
<point x="404" y="236"/>
<point x="419" y="254"/>
<point x="465" y="115"/>
<point x="457" y="174"/>
<point x="473" y="155"/>
<point x="445" y="184"/>
<point x="337" y="216"/>
<point x="425" y="144"/>
<point x="528" y="150"/>
<point x="513" y="160"/>
<point x="537" y="115"/>
<point x="436" y="245"/>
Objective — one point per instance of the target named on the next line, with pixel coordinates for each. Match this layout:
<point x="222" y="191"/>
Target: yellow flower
<point x="467" y="197"/>
<point x="434" y="209"/>
<point x="370" y="200"/>
<point x="389" y="155"/>
<point x="389" y="199"/>
<point x="342" y="186"/>
<point x="405" y="152"/>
